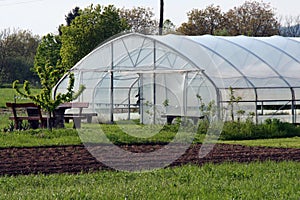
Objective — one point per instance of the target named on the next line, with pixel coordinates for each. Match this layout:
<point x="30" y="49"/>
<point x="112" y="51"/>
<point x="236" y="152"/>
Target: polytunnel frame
<point x="293" y="100"/>
<point x="153" y="71"/>
<point x="256" y="100"/>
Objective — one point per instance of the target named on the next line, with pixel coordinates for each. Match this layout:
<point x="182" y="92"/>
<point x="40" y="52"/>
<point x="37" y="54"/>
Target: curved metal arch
<point x="241" y="73"/>
<point x="275" y="71"/>
<point x="183" y="56"/>
<point x="290" y="39"/>
<point x="277" y="48"/>
<point x="259" y="58"/>
<point x="225" y="59"/>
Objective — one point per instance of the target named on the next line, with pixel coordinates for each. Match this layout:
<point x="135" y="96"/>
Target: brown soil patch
<point x="76" y="158"/>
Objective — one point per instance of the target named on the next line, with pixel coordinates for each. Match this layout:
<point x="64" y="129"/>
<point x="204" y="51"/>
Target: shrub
<point x="271" y="128"/>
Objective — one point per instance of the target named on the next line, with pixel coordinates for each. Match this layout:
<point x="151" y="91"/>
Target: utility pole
<point x="161" y="17"/>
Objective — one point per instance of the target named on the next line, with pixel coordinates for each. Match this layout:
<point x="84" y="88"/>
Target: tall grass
<point x="268" y="180"/>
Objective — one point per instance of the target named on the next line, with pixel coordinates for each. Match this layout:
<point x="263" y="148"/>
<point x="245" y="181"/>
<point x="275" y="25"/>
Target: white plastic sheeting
<point x="263" y="71"/>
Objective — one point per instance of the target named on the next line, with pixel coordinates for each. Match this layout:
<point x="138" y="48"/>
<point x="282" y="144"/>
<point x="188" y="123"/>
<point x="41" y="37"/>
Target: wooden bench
<point x="171" y="117"/>
<point x="33" y="115"/>
<point x="78" y="116"/>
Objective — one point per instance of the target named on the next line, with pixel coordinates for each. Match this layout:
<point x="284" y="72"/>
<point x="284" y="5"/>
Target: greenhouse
<point x="151" y="77"/>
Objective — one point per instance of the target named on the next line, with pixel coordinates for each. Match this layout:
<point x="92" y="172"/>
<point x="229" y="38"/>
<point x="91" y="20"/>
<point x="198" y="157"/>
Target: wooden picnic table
<point x="171" y="117"/>
<point x="35" y="118"/>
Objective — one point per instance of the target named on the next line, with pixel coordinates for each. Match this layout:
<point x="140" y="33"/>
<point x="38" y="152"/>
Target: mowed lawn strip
<point x="102" y="133"/>
<point x="266" y="180"/>
<point x="293" y="142"/>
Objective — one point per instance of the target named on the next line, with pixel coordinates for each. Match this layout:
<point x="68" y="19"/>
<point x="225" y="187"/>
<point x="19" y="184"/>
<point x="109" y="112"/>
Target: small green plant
<point x="233" y="100"/>
<point x="166" y="103"/>
<point x="208" y="110"/>
<point x="240" y="113"/>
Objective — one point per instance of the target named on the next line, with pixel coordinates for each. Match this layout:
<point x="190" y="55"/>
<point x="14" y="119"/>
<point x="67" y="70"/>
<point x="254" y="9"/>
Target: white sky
<point x="44" y="16"/>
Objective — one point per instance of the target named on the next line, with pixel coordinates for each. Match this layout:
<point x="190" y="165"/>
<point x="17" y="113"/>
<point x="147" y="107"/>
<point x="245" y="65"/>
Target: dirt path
<point x="74" y="159"/>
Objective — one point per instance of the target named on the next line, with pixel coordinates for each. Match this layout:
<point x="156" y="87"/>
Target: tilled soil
<point x="76" y="158"/>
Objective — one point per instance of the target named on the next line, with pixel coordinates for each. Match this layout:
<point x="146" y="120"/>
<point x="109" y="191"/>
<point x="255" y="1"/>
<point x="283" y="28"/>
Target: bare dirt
<point x="76" y="158"/>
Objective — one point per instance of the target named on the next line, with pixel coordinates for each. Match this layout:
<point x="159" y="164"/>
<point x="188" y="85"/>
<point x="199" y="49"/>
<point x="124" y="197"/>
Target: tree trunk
<point x="49" y="123"/>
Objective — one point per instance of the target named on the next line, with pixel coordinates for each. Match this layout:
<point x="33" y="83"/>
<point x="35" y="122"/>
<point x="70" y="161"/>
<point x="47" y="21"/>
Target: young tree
<point x="169" y="27"/>
<point x="233" y="100"/>
<point x="49" y="76"/>
<point x="93" y="26"/>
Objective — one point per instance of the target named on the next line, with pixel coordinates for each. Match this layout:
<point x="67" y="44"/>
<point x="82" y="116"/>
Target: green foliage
<point x="166" y="103"/>
<point x="42" y="137"/>
<point x="233" y="100"/>
<point x="93" y="26"/>
<point x="17" y="48"/>
<point x="271" y="128"/>
<point x="48" y="52"/>
<point x="72" y="15"/>
<point x="39" y="137"/>
<point x="49" y="76"/>
<point x="267" y="180"/>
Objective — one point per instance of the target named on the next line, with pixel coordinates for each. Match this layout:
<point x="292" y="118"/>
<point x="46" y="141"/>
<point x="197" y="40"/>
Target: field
<point x="43" y="164"/>
<point x="9" y="95"/>
<point x="267" y="180"/>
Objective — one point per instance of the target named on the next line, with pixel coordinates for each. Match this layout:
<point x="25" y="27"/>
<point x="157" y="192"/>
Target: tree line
<point x="22" y="53"/>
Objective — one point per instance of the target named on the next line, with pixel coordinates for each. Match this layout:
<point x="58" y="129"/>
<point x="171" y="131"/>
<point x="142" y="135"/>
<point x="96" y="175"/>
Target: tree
<point x="17" y="48"/>
<point x="200" y="22"/>
<point x="290" y="27"/>
<point x="168" y="27"/>
<point x="49" y="76"/>
<point x="48" y="53"/>
<point x="92" y="27"/>
<point x="140" y="20"/>
<point x="252" y="19"/>
<point x="69" y="18"/>
<point x="72" y="15"/>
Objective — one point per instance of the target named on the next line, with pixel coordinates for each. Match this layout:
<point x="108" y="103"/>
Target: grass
<point x="39" y="137"/>
<point x="116" y="135"/>
<point x="267" y="180"/>
<point x="8" y="95"/>
<point x="293" y="142"/>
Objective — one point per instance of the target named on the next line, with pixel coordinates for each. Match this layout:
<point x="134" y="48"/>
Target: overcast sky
<point x="44" y="16"/>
